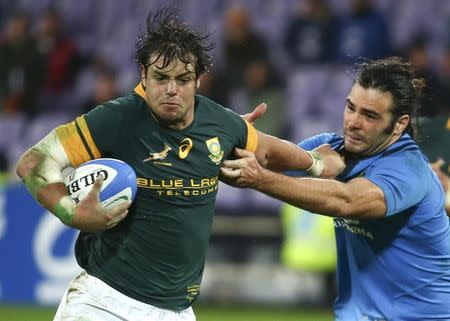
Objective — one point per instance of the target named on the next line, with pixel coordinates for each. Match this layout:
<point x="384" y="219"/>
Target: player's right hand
<point x="333" y="162"/>
<point x="90" y="216"/>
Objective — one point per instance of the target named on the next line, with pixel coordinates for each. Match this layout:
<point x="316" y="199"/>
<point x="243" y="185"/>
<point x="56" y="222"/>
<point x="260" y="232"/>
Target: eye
<point x="371" y="117"/>
<point x="349" y="107"/>
<point x="184" y="81"/>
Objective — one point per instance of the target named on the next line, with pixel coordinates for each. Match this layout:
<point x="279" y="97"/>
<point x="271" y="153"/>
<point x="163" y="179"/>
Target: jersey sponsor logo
<point x="353" y="226"/>
<point x="185" y="147"/>
<point x="158" y="155"/>
<point x="180" y="186"/>
<point x="216" y="152"/>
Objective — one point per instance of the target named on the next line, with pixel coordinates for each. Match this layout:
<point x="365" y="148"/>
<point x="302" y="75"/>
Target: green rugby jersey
<point x="156" y="255"/>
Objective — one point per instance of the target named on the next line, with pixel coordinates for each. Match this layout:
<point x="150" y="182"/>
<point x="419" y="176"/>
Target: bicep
<point x="367" y="200"/>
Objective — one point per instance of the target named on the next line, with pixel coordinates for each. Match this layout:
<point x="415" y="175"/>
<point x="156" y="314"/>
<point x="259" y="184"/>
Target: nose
<point x="353" y="121"/>
<point x="172" y="87"/>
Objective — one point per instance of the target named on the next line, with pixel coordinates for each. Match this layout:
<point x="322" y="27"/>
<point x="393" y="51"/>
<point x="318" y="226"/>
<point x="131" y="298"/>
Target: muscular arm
<point x="358" y="198"/>
<point x="40" y="168"/>
<point x="280" y="155"/>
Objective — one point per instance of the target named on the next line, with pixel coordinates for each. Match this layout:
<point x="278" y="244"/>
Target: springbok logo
<point x="215" y="149"/>
<point x="185" y="147"/>
<point x="158" y="155"/>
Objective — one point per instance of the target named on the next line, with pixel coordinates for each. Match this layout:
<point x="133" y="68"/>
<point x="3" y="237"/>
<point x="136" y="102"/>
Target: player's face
<point x="368" y="127"/>
<point x="170" y="92"/>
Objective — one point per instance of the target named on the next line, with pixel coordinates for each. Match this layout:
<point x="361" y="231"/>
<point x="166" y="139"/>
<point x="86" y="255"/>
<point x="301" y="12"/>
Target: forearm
<point x="316" y="195"/>
<point x="41" y="174"/>
<point x="52" y="195"/>
<point x="280" y="155"/>
<point x="324" y="196"/>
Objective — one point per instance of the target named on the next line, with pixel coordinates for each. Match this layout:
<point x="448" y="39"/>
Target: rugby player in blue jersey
<point x="392" y="233"/>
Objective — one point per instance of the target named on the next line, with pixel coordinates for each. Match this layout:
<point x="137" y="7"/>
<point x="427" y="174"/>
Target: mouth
<point x="170" y="106"/>
<point x="356" y="139"/>
<point x="170" y="103"/>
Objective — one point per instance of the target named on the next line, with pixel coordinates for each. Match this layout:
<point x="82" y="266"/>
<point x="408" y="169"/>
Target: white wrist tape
<point x="317" y="165"/>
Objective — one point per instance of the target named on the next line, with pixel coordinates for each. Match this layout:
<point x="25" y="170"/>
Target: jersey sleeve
<point x="245" y="135"/>
<point x="77" y="141"/>
<point x="90" y="136"/>
<point x="315" y="141"/>
<point x="403" y="178"/>
<point x="252" y="137"/>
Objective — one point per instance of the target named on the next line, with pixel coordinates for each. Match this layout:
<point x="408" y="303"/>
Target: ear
<point x="143" y="75"/>
<point x="401" y="124"/>
<point x="197" y="83"/>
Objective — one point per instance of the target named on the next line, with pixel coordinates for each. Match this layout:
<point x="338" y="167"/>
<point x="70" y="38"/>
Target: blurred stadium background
<point x="60" y="58"/>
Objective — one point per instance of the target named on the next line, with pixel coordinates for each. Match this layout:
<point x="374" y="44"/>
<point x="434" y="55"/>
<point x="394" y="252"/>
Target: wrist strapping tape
<point x="317" y="165"/>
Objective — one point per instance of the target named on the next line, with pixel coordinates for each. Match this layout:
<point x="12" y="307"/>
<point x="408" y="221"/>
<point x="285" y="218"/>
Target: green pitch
<point x="204" y="313"/>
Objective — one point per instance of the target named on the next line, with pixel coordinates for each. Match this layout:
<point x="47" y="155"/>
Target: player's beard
<point x="370" y="149"/>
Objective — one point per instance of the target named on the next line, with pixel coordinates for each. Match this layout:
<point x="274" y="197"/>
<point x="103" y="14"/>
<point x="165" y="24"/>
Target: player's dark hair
<point x="168" y="37"/>
<point x="395" y="76"/>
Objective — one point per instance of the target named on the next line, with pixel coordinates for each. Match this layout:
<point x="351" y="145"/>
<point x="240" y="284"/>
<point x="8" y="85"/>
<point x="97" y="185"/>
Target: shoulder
<point x="131" y="101"/>
<point x="121" y="107"/>
<point x="215" y="111"/>
<point x="403" y="167"/>
<point x="408" y="159"/>
<point x="404" y="155"/>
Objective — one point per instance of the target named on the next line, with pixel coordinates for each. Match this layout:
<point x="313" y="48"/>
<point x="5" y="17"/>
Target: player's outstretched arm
<point x="41" y="171"/>
<point x="359" y="198"/>
<point x="280" y="155"/>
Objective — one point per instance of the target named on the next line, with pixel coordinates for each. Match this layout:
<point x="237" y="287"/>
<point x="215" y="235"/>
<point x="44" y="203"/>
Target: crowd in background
<point x="62" y="58"/>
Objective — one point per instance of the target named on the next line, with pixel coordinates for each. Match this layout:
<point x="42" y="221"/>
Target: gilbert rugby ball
<point x="119" y="181"/>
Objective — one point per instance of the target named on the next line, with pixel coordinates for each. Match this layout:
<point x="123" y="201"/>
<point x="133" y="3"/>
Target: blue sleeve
<point x="404" y="179"/>
<point x="316" y="141"/>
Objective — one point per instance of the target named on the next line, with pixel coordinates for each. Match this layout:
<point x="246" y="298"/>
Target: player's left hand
<point x="258" y="112"/>
<point x="244" y="171"/>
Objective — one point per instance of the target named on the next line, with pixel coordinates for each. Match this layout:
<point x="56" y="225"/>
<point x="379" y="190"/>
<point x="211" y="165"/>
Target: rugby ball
<point x="119" y="181"/>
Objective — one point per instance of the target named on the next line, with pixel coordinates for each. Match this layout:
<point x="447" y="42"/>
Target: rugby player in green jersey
<point x="144" y="261"/>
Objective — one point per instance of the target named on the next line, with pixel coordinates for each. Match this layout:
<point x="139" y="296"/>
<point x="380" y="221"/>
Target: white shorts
<point x="90" y="299"/>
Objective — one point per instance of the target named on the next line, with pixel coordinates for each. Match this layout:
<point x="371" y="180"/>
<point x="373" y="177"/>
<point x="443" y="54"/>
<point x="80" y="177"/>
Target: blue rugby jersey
<point x="396" y="267"/>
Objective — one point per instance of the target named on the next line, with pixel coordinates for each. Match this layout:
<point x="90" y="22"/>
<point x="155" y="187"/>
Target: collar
<point x="139" y="89"/>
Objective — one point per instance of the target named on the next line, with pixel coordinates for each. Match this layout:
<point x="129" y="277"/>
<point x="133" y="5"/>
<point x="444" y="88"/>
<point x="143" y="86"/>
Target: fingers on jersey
<point x="117" y="214"/>
<point x="243" y="153"/>
<point x="230" y="172"/>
